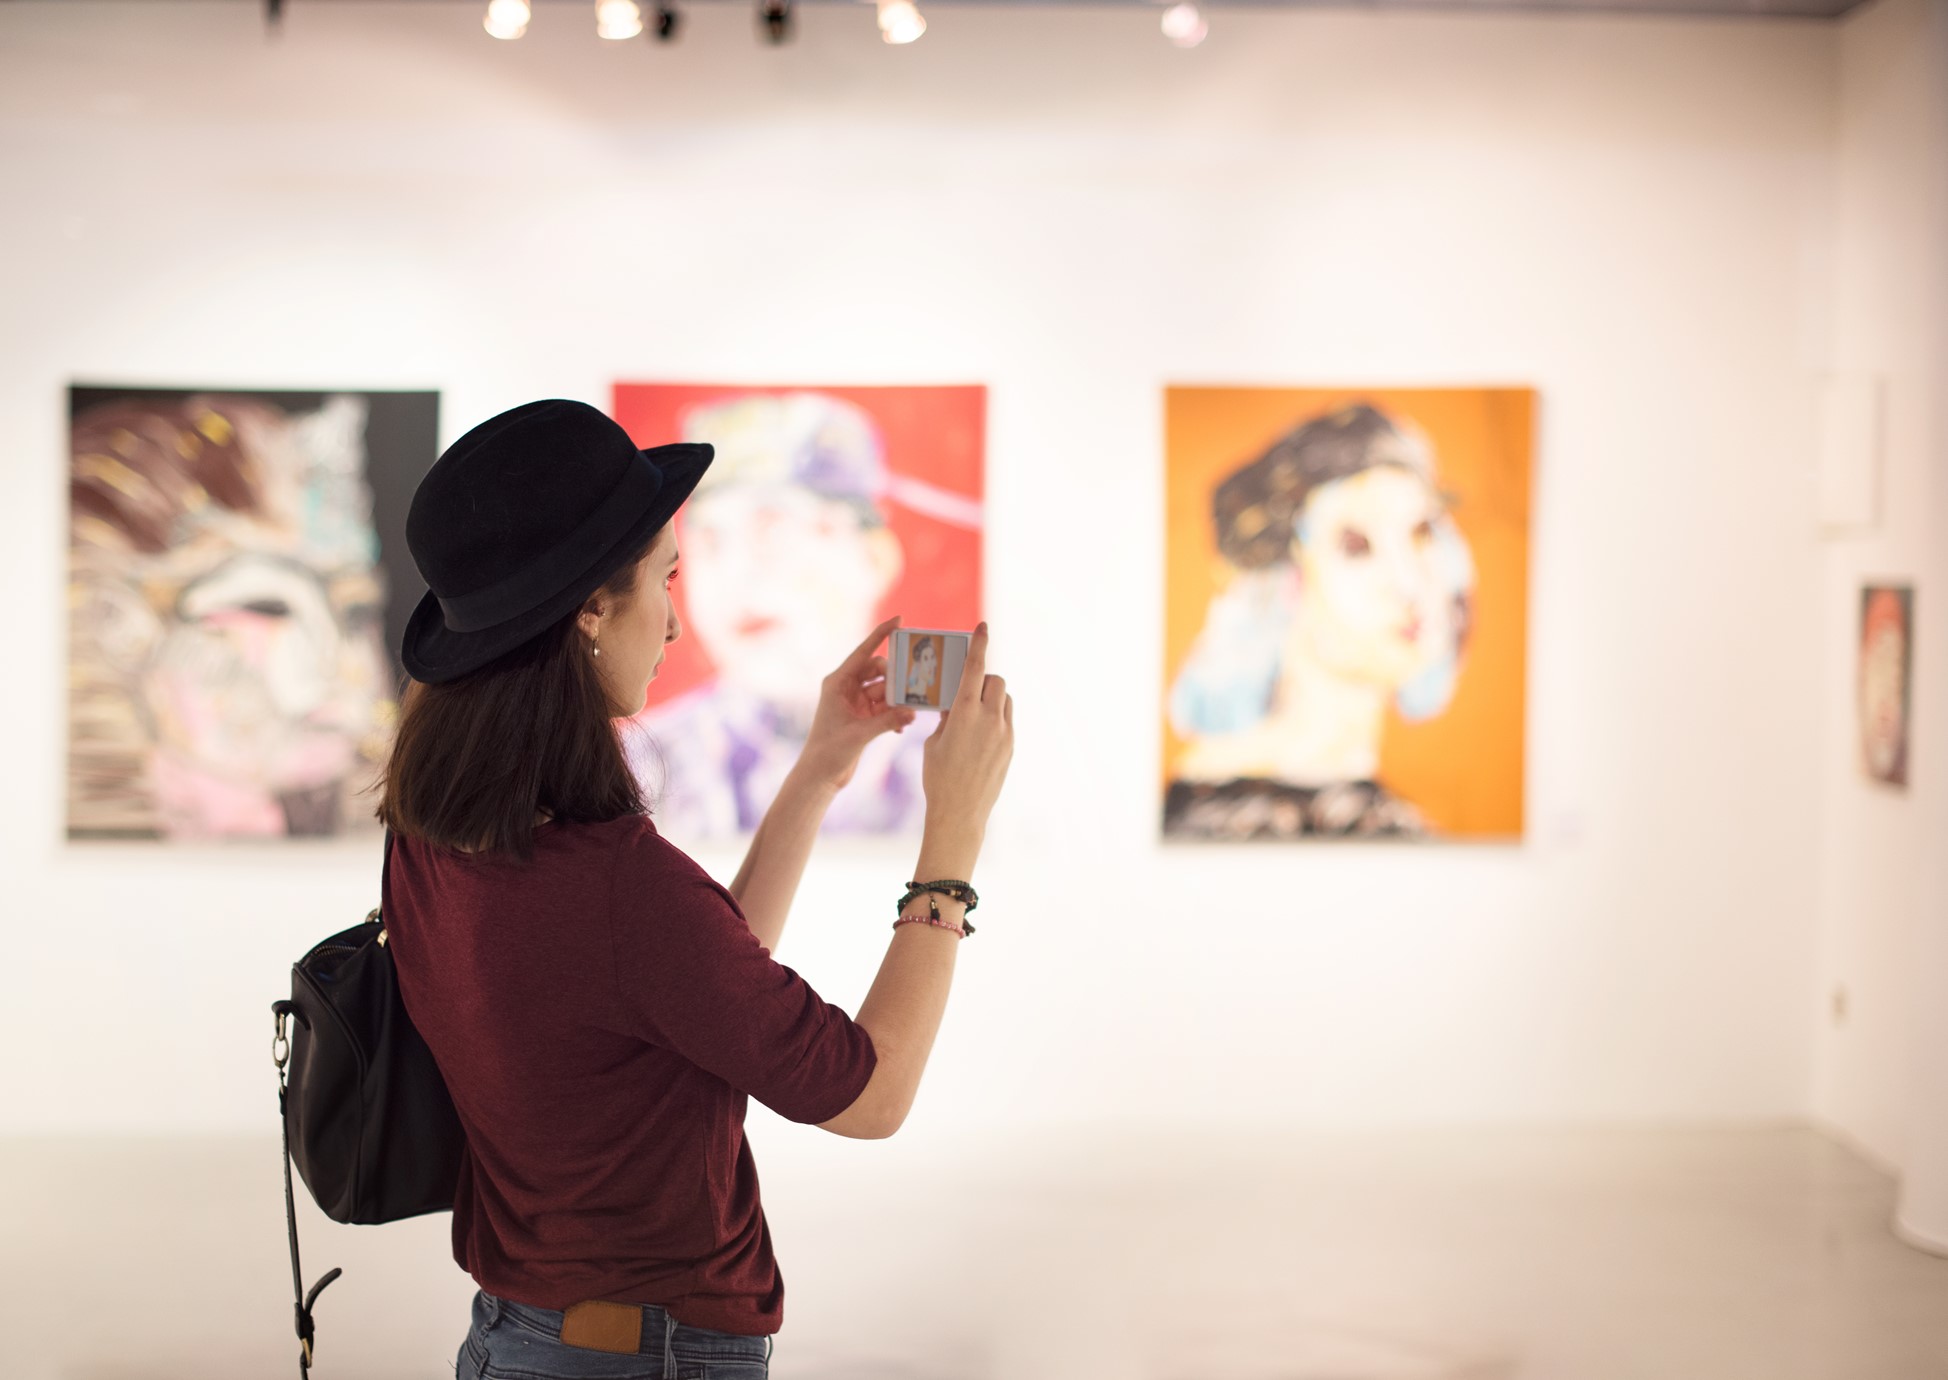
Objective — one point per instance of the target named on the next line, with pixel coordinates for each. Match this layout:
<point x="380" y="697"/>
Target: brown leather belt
<point x="602" y="1326"/>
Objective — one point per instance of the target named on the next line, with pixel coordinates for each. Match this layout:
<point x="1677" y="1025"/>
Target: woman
<point x="1352" y="593"/>
<point x="599" y="1007"/>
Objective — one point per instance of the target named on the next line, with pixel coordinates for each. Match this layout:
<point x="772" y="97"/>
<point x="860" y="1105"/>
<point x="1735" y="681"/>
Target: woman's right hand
<point x="966" y="761"/>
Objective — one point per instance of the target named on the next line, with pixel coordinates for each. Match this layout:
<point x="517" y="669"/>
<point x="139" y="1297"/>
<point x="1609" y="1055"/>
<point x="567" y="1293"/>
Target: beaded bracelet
<point x="946" y="925"/>
<point x="963" y="892"/>
<point x="933" y="917"/>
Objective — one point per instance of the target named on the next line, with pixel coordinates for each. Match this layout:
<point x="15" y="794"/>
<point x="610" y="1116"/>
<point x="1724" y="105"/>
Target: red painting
<point x="825" y="511"/>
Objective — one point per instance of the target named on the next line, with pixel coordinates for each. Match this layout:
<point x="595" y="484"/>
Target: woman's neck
<point x="1322" y="728"/>
<point x="1330" y="725"/>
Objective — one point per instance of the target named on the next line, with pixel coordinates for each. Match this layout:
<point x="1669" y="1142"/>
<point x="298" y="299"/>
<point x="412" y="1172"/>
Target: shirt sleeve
<point x="694" y="979"/>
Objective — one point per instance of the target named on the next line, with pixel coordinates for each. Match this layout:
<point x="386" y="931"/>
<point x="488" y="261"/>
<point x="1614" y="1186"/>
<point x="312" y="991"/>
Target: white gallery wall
<point x="1884" y="327"/>
<point x="1637" y="217"/>
<point x="1882" y="1060"/>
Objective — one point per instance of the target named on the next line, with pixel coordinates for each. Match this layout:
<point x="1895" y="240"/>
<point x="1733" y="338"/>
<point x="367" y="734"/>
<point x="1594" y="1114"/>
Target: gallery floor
<point x="1653" y="1255"/>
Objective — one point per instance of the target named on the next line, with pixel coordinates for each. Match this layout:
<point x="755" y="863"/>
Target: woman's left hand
<point x="852" y="711"/>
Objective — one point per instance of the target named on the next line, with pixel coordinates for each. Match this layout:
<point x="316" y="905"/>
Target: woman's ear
<point x="589" y="620"/>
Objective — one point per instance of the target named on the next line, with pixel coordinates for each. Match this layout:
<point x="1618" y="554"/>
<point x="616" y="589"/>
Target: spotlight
<point x="776" y="19"/>
<point x="1184" y="26"/>
<point x="618" y="19"/>
<point x="668" y="21"/>
<point x="900" y="21"/>
<point x="507" y="18"/>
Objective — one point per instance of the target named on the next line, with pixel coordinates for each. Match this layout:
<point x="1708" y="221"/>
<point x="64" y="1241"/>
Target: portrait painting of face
<point x="824" y="511"/>
<point x="1886" y="678"/>
<point x="229" y="608"/>
<point x="926" y="665"/>
<point x="923" y="680"/>
<point x="1345" y="625"/>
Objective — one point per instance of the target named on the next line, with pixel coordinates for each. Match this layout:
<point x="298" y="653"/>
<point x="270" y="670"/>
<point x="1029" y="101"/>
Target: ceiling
<point x="1754" y="9"/>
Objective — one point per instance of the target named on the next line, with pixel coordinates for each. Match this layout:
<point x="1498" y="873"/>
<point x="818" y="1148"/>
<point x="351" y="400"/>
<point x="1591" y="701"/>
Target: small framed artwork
<point x="926" y="668"/>
<point x="1886" y="680"/>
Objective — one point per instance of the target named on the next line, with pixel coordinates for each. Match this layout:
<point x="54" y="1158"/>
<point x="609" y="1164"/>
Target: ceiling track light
<point x="617" y="20"/>
<point x="668" y="21"/>
<point x="900" y="21"/>
<point x="1184" y="25"/>
<point x="507" y="19"/>
<point x="775" y="19"/>
<point x="273" y="15"/>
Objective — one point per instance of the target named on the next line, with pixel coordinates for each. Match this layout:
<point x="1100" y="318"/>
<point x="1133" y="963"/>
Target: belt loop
<point x="769" y="1341"/>
<point x="669" y="1345"/>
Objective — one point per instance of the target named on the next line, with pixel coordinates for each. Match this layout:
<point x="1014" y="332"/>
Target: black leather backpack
<point x="367" y="1118"/>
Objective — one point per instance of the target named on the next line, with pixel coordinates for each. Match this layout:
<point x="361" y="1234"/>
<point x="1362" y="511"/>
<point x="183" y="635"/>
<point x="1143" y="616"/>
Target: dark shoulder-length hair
<point x="1257" y="505"/>
<point x="478" y="761"/>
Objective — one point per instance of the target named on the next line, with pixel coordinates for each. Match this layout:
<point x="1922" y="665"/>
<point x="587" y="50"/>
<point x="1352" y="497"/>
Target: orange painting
<point x="926" y="658"/>
<point x="1346" y="623"/>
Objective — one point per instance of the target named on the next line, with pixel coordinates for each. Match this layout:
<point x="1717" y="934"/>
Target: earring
<point x="595" y="648"/>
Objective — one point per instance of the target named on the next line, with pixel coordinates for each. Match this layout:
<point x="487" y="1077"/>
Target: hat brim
<point x="434" y="653"/>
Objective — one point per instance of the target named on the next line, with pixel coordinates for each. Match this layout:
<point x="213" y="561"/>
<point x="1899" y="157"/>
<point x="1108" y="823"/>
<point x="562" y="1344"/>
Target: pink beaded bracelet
<point x="938" y="924"/>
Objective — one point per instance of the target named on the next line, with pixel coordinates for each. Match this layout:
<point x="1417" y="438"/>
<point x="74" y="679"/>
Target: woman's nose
<point x="1404" y="574"/>
<point x="674" y="630"/>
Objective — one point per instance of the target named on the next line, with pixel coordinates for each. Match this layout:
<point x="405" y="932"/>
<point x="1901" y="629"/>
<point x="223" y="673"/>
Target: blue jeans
<point x="511" y="1341"/>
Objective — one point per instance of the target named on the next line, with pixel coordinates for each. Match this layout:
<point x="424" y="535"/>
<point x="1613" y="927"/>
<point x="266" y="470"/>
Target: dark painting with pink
<point x="237" y="580"/>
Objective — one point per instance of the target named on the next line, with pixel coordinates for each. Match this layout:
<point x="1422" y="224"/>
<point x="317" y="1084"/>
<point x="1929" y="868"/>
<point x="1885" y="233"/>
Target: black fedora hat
<point x="525" y="517"/>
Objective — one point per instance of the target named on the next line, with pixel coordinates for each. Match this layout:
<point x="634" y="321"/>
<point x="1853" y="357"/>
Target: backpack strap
<point x="302" y="1303"/>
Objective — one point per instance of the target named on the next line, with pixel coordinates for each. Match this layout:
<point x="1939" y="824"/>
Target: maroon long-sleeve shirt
<point x="600" y="1014"/>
